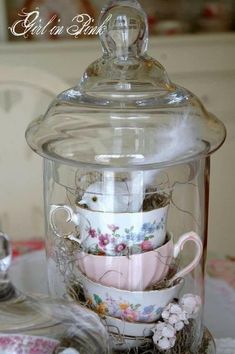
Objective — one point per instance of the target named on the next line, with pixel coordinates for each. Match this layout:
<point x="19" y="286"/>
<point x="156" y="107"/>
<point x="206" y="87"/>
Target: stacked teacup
<point x="123" y="256"/>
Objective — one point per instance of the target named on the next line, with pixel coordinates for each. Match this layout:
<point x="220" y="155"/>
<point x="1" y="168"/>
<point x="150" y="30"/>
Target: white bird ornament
<point x="113" y="196"/>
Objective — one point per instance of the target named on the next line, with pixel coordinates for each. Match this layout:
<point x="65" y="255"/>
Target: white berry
<point x="191" y="304"/>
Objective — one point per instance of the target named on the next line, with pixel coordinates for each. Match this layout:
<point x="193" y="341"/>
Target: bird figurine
<point x="113" y="196"/>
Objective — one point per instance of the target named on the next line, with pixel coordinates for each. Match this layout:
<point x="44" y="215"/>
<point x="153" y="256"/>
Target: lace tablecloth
<point x="225" y="346"/>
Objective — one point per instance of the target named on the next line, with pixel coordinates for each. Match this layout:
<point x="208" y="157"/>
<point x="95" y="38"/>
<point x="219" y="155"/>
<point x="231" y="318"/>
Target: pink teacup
<point x="140" y="271"/>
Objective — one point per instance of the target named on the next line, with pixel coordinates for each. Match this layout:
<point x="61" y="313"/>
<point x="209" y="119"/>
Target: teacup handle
<point x="72" y="217"/>
<point x="193" y="237"/>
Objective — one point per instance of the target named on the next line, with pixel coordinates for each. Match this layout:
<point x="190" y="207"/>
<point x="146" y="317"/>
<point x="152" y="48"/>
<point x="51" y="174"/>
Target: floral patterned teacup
<point x="115" y="234"/>
<point x="132" y="306"/>
<point x="139" y="271"/>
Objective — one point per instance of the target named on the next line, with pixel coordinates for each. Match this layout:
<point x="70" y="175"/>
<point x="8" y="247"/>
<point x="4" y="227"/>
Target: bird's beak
<point x="82" y="202"/>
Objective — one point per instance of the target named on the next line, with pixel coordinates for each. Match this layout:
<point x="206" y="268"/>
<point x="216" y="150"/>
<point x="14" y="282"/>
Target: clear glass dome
<point x="125" y="112"/>
<point x="126" y="180"/>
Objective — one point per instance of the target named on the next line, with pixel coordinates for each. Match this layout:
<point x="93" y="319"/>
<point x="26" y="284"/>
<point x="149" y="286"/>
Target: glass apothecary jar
<point x="126" y="171"/>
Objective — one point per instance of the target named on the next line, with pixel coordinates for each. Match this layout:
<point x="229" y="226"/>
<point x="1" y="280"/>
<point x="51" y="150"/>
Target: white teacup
<point x="132" y="306"/>
<point x="115" y="234"/>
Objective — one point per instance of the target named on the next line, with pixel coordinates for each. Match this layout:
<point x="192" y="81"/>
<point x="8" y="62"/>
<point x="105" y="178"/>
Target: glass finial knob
<point x="126" y="32"/>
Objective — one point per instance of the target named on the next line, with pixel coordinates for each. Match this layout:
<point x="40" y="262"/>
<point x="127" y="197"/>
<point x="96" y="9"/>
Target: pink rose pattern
<point x="19" y="344"/>
<point x="131" y="242"/>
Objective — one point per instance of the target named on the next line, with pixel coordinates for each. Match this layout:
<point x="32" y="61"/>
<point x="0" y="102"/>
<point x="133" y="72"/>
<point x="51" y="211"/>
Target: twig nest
<point x="121" y="196"/>
<point x="191" y="304"/>
<point x="164" y="336"/>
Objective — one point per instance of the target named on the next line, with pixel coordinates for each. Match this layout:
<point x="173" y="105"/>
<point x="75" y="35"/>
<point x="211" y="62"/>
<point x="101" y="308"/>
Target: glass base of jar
<point x="208" y="344"/>
<point x="207" y="347"/>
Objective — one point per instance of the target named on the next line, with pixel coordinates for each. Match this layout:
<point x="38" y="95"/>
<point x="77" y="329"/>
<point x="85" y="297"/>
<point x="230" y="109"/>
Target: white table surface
<point x="225" y="346"/>
<point x="29" y="274"/>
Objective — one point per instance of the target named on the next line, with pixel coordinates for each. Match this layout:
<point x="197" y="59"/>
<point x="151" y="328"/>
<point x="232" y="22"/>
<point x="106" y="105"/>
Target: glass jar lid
<point x="125" y="112"/>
